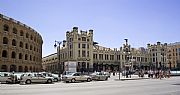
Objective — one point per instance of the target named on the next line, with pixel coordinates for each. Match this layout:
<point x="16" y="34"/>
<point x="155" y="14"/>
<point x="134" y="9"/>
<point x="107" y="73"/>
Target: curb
<point x="130" y="79"/>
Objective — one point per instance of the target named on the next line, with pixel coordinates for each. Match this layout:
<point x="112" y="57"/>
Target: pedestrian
<point x="160" y="74"/>
<point x="142" y="73"/>
<point x="113" y="73"/>
<point x="169" y="72"/>
<point x="139" y="73"/>
<point x="149" y="75"/>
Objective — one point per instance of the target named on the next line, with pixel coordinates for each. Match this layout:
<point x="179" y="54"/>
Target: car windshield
<point x="67" y="73"/>
<point x="70" y="73"/>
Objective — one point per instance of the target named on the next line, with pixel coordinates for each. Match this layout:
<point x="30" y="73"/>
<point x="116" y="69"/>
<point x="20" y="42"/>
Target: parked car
<point x="29" y="78"/>
<point x="107" y="74"/>
<point x="67" y="72"/>
<point x="74" y="77"/>
<point x="54" y="76"/>
<point x="175" y="73"/>
<point x="6" y="77"/>
<point x="99" y="76"/>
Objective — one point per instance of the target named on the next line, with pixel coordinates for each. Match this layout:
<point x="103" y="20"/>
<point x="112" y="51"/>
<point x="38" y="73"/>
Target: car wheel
<point x="49" y="81"/>
<point x="73" y="80"/>
<point x="88" y="79"/>
<point x="28" y="81"/>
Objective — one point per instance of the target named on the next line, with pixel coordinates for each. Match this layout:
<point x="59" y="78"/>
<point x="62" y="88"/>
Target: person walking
<point x="169" y="73"/>
<point x="160" y="74"/>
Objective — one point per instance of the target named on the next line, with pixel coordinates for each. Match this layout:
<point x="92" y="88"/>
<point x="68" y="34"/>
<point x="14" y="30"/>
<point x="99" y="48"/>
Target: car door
<point x="34" y="78"/>
<point x="41" y="78"/>
<point x="3" y="78"/>
<point x="77" y="76"/>
<point x="83" y="77"/>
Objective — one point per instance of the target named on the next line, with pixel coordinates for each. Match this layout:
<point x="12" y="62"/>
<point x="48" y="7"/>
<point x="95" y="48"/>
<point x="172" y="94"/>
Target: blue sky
<point x="141" y="21"/>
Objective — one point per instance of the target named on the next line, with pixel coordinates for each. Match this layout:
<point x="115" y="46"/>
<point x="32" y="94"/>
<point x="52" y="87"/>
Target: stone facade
<point x="174" y="55"/>
<point x="20" y="46"/>
<point x="81" y="48"/>
<point x="158" y="55"/>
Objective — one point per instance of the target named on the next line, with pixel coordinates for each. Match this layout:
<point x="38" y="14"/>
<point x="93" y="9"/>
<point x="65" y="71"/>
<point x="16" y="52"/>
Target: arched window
<point x="20" y="55"/>
<point x="26" y="57"/>
<point x="30" y="58"/>
<point x="5" y="40"/>
<point x="31" y="47"/>
<point x="14" y="42"/>
<point x="6" y="27"/>
<point x="14" y="30"/>
<point x="26" y="46"/>
<point x="13" y="55"/>
<point x="21" y="33"/>
<point x="21" y="44"/>
<point x="27" y="35"/>
<point x="4" y="53"/>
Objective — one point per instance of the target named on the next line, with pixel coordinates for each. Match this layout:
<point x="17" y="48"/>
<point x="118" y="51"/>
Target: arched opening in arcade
<point x="4" y="68"/>
<point x="20" y="69"/>
<point x="12" y="68"/>
<point x="26" y="69"/>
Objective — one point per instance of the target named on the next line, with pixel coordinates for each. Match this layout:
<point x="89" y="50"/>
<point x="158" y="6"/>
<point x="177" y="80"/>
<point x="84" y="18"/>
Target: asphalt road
<point x="130" y="87"/>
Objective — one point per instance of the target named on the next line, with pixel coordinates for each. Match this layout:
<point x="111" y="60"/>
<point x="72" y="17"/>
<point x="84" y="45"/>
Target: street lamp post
<point x="127" y="53"/>
<point x="58" y="44"/>
<point x="119" y="70"/>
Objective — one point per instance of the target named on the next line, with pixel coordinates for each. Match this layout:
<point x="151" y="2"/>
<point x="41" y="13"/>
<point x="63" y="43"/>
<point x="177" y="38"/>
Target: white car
<point x="54" y="76"/>
<point x="99" y="76"/>
<point x="74" y="77"/>
<point x="29" y="78"/>
<point x="107" y="74"/>
<point x="6" y="77"/>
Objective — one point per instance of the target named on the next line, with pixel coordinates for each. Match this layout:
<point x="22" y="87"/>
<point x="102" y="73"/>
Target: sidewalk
<point x="123" y="78"/>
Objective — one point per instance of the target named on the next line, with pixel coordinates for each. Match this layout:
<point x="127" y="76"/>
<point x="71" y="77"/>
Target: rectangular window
<point x="100" y="56"/>
<point x="70" y="53"/>
<point x="70" y="46"/>
<point x="79" y="45"/>
<point x="79" y="53"/>
<point x="112" y="57"/>
<point x="83" y="45"/>
<point x="83" y="53"/>
<point x="88" y="46"/>
<point x="87" y="53"/>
